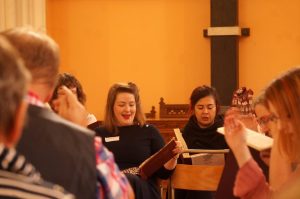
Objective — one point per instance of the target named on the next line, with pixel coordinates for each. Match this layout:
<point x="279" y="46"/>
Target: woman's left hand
<point x="235" y="137"/>
<point x="177" y="150"/>
<point x="171" y="164"/>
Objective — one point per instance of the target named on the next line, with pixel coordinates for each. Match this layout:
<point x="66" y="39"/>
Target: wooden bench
<point x="173" y="110"/>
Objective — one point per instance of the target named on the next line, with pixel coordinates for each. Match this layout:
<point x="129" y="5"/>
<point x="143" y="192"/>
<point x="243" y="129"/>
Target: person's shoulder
<point x="20" y="186"/>
<point x="102" y="132"/>
<point x="44" y="117"/>
<point x="151" y="129"/>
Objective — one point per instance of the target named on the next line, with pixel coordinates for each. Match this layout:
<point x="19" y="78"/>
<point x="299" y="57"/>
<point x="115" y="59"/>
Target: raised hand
<point x="248" y="119"/>
<point x="235" y="136"/>
<point x="68" y="107"/>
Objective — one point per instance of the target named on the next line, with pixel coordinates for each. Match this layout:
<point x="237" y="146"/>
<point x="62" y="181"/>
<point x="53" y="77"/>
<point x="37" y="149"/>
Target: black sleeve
<point x="164" y="173"/>
<point x="156" y="144"/>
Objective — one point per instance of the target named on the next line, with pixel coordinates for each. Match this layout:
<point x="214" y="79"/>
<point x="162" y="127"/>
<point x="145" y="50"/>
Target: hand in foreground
<point x="234" y="130"/>
<point x="248" y="119"/>
<point x="235" y="136"/>
<point x="68" y="107"/>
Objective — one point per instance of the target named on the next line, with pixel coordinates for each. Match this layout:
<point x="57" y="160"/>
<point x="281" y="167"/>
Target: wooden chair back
<point x="203" y="176"/>
<point x="196" y="177"/>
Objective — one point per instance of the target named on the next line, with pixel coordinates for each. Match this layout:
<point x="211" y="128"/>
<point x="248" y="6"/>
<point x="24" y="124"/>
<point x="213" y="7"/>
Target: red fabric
<point x="251" y="182"/>
<point x="34" y="99"/>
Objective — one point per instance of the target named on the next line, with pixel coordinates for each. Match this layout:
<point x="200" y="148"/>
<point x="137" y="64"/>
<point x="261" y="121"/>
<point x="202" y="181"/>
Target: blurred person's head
<point x="123" y="107"/>
<point x="262" y="114"/>
<point x="283" y="97"/>
<point x="71" y="82"/>
<point x="41" y="57"/>
<point x="205" y="105"/>
<point x="14" y="79"/>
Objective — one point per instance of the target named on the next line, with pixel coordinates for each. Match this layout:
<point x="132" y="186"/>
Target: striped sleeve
<point x="18" y="186"/>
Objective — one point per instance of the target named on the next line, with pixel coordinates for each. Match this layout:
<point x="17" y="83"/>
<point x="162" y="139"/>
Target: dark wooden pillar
<point x="224" y="33"/>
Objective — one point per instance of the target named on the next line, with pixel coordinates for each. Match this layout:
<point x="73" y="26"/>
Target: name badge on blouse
<point x="112" y="139"/>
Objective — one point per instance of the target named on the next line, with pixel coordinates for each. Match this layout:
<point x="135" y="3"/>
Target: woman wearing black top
<point x="201" y="130"/>
<point x="125" y="133"/>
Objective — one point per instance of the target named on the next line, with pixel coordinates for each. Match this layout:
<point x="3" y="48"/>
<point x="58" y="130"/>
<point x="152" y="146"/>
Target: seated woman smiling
<point x="132" y="141"/>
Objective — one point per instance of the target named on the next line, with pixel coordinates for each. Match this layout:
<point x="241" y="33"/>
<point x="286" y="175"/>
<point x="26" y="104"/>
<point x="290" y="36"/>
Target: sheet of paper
<point x="255" y="140"/>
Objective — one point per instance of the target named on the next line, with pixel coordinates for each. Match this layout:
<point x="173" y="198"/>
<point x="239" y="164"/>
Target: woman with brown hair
<point x="200" y="132"/>
<point x="72" y="83"/>
<point x="132" y="141"/>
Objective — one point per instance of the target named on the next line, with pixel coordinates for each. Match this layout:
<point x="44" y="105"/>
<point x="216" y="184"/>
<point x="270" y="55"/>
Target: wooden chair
<point x="202" y="172"/>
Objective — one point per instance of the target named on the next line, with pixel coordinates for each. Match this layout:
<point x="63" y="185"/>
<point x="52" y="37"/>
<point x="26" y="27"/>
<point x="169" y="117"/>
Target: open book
<point x="157" y="160"/>
<point x="200" y="156"/>
<point x="255" y="139"/>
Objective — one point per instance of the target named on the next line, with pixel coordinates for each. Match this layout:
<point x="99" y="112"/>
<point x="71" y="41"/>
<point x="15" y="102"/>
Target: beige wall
<point x="159" y="45"/>
<point x="15" y="13"/>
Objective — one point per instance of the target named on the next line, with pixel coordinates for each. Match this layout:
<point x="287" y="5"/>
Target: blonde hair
<point x="14" y="79"/>
<point x="110" y="122"/>
<point x="284" y="94"/>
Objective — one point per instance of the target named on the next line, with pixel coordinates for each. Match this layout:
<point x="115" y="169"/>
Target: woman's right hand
<point x="234" y="130"/>
<point x="235" y="135"/>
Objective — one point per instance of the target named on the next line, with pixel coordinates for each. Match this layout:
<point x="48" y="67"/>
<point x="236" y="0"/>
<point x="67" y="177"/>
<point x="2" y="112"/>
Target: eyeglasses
<point x="264" y="120"/>
<point x="208" y="107"/>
